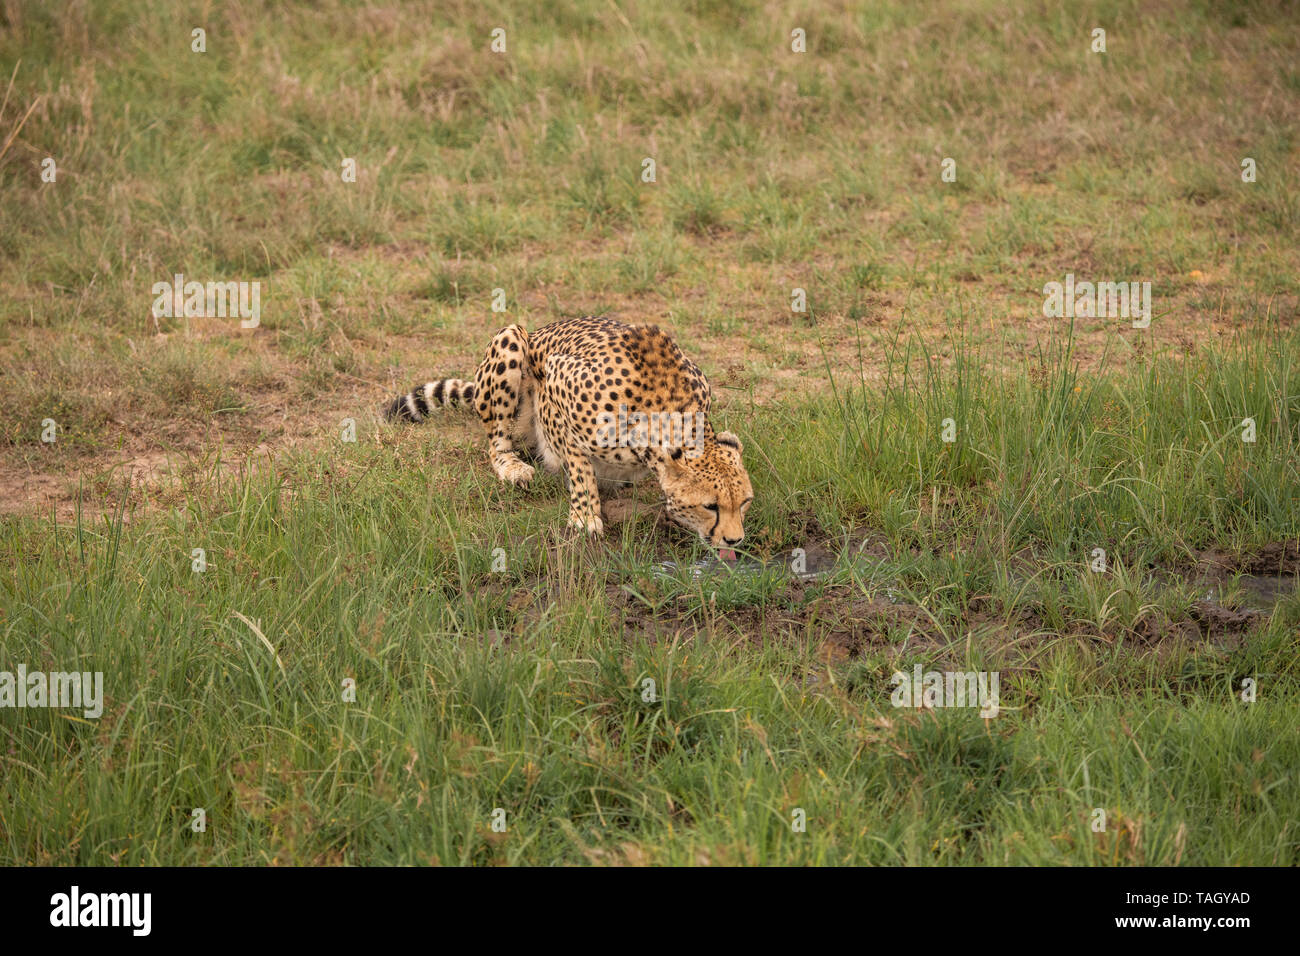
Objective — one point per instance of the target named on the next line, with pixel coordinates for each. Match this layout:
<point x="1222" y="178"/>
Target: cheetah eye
<point x="712" y="507"/>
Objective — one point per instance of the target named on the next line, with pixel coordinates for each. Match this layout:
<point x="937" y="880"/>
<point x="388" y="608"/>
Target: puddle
<point x="783" y="562"/>
<point x="1250" y="592"/>
<point x="812" y="564"/>
<point x="1253" y="592"/>
<point x="1258" y="578"/>
<point x="1261" y="592"/>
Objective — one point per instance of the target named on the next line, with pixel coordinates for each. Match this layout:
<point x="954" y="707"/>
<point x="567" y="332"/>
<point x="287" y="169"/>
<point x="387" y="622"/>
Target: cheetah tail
<point x="414" y="406"/>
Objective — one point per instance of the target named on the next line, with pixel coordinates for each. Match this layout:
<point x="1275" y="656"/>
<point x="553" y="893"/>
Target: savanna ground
<point x="521" y="690"/>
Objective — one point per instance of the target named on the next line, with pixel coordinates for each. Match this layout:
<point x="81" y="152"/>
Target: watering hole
<point x="1217" y="586"/>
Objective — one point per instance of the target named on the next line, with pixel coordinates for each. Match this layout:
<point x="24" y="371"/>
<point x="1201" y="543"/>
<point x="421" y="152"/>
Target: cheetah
<point x="604" y="403"/>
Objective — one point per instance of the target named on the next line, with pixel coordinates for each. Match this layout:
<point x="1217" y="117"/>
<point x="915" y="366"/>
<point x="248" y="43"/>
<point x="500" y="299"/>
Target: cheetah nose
<point x="732" y="542"/>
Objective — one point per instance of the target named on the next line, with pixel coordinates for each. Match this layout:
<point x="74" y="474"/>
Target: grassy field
<point x="496" y="708"/>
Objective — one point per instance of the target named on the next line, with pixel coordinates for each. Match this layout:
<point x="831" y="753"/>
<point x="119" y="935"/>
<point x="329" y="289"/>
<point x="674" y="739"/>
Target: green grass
<point x="774" y="169"/>
<point x="524" y="689"/>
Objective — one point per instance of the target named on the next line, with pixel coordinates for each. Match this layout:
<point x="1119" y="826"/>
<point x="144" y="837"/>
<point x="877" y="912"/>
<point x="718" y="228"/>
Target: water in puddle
<point x="1257" y="592"/>
<point x="1261" y="591"/>
<point x="815" y="565"/>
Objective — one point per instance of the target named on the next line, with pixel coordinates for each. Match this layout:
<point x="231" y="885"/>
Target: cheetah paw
<point x="515" y="473"/>
<point x="592" y="525"/>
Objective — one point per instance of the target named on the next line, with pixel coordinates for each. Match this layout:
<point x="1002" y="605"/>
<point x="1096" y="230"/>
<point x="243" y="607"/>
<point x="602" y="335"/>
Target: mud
<point x="844" y="622"/>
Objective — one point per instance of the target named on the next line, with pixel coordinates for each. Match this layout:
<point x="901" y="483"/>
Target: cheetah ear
<point x="730" y="442"/>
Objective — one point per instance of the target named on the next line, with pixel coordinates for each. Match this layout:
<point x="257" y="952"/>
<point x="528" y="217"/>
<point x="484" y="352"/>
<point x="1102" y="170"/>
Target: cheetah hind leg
<point x="503" y="397"/>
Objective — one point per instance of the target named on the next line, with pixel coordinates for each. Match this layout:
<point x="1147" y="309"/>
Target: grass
<point x="523" y="689"/>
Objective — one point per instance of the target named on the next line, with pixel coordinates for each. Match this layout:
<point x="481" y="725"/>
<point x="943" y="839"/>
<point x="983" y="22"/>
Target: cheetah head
<point x="709" y="493"/>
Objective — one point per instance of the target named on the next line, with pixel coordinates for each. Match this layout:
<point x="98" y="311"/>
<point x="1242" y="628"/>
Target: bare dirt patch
<point x="738" y="326"/>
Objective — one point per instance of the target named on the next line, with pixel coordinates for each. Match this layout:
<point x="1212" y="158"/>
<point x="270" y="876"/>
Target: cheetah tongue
<point x="727" y="555"/>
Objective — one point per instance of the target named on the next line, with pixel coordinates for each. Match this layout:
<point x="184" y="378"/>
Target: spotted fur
<point x="550" y="393"/>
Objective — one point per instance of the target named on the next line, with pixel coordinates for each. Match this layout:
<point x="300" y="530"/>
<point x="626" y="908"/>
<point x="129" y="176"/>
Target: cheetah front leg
<point x="560" y="406"/>
<point x="584" y="496"/>
<point x="503" y="396"/>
